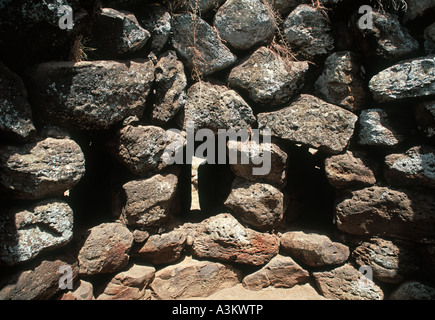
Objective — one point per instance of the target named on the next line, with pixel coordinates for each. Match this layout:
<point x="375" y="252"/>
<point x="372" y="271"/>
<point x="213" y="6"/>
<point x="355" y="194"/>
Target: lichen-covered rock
<point x="425" y="117"/>
<point x="26" y="232"/>
<point x="311" y="121"/>
<point x="375" y="129"/>
<point x="244" y="24"/>
<point x="413" y="290"/>
<point x="414" y="78"/>
<point x="40" y="169"/>
<point x="90" y="95"/>
<point x="429" y="39"/>
<point x="268" y="79"/>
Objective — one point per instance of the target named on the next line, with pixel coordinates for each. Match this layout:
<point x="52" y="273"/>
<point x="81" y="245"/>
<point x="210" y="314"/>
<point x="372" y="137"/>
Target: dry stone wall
<point x="92" y="209"/>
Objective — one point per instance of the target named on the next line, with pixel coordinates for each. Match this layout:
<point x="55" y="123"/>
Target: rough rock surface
<point x="267" y="78"/>
<point x="40" y="169"/>
<point x="105" y="249"/>
<point x="280" y="272"/>
<point x="157" y="21"/>
<point x="375" y="129"/>
<point x="425" y="117"/>
<point x="413" y="290"/>
<point x="82" y="290"/>
<point x="312" y="121"/>
<point x="90" y="95"/>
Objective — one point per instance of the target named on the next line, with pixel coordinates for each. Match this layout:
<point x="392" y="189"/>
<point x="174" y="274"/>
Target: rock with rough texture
<point x="309" y="32"/>
<point x="24" y="233"/>
<point x="390" y="262"/>
<point x="414" y="78"/>
<point x="259" y="205"/>
<point x="413" y="290"/>
<point x="193" y="278"/>
<point x="82" y="290"/>
<point x="105" y="249"/>
<point x="418" y="8"/>
<point x="375" y="129"/>
<point x="157" y="21"/>
<point x="425" y="117"/>
<point x="203" y="7"/>
<point x="380" y="211"/>
<point x="142" y="148"/>
<point x="280" y="272"/>
<point x="169" y="88"/>
<point x="199" y="44"/>
<point x="268" y="79"/>
<point x="148" y="201"/>
<point x="40" y="169"/>
<point x="222" y="237"/>
<point x="351" y="169"/>
<point x="214" y="107"/>
<point x="346" y="283"/>
<point x="16" y="121"/>
<point x="429" y="39"/>
<point x="312" y="121"/>
<point x="342" y="81"/>
<point x="244" y="24"/>
<point x="162" y="248"/>
<point x="314" y="250"/>
<point x="415" y="167"/>
<point x="90" y="95"/>
<point x="129" y="284"/>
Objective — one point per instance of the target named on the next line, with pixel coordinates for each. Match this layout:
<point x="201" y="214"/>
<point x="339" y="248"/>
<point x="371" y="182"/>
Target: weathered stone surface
<point x="157" y="20"/>
<point x="418" y="8"/>
<point x="309" y="32"/>
<point x="346" y="283"/>
<point x="129" y="284"/>
<point x="280" y="272"/>
<point x="351" y="169"/>
<point x="16" y="121"/>
<point x="38" y="281"/>
<point x="312" y="121"/>
<point x="342" y="82"/>
<point x="216" y="107"/>
<point x="169" y="87"/>
<point x="244" y="24"/>
<point x="222" y="237"/>
<point x="148" y="201"/>
<point x="105" y="249"/>
<point x="415" y="167"/>
<point x="40" y="169"/>
<point x="162" y="248"/>
<point x="259" y="205"/>
<point x="413" y="290"/>
<point x="425" y="117"/>
<point x="199" y="44"/>
<point x="390" y="262"/>
<point x="375" y="129"/>
<point x="268" y="79"/>
<point x="380" y="211"/>
<point x="314" y="250"/>
<point x="429" y="39"/>
<point x="90" y="95"/>
<point x="24" y="233"/>
<point x="193" y="278"/>
<point x="412" y="78"/>
<point x="142" y="148"/>
<point x="82" y="290"/>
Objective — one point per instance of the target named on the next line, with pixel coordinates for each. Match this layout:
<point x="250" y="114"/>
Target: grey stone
<point x="376" y="129"/>
<point x="157" y="21"/>
<point x="425" y="117"/>
<point x="413" y="290"/>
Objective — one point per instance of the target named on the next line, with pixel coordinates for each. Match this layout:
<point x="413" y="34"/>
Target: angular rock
<point x="214" y="107"/>
<point x="222" y="237"/>
<point x="414" y="78"/>
<point x="429" y="39"/>
<point x="351" y="169"/>
<point x="105" y="249"/>
<point x="268" y="79"/>
<point x="193" y="278"/>
<point x="259" y="205"/>
<point x="129" y="284"/>
<point x="82" y="290"/>
<point x="244" y="24"/>
<point x="162" y="248"/>
<point x="312" y="121"/>
<point x="309" y="32"/>
<point x="390" y="262"/>
<point x="342" y="82"/>
<point x="24" y="233"/>
<point x="380" y="211"/>
<point x="346" y="283"/>
<point x="203" y="7"/>
<point x="142" y="148"/>
<point x="425" y="117"/>
<point x="418" y="8"/>
<point x="90" y="95"/>
<point x="169" y="88"/>
<point x="148" y="201"/>
<point x="16" y="121"/>
<point x="376" y="129"/>
<point x="280" y="272"/>
<point x="413" y="290"/>
<point x="199" y="44"/>
<point x="415" y="167"/>
<point x="314" y="250"/>
<point x="40" y="169"/>
<point x="140" y="236"/>
<point x="157" y="21"/>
